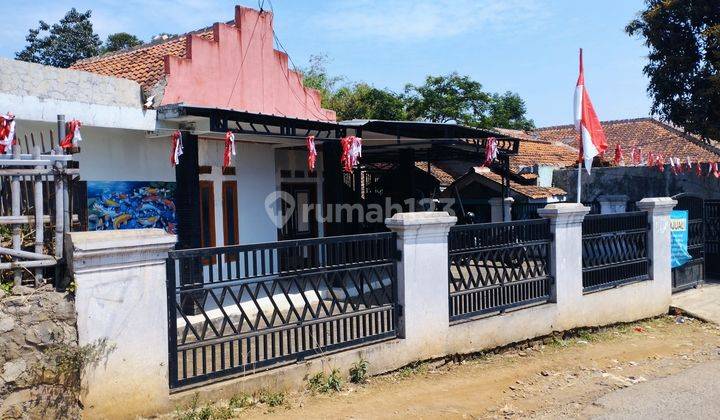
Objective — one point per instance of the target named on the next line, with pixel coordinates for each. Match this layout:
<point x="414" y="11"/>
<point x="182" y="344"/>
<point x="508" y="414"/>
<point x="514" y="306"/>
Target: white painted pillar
<point x="507" y="209"/>
<point x="610" y="204"/>
<point x="423" y="285"/>
<point x="566" y="253"/>
<point x="121" y="297"/>
<point x="658" y="245"/>
<point x="501" y="209"/>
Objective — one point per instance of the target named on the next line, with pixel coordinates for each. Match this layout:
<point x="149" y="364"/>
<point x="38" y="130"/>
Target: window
<point x="207" y="216"/>
<point x="230" y="213"/>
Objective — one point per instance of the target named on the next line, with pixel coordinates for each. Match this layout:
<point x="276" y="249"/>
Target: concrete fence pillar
<point x="501" y="209"/>
<point x="423" y="285"/>
<point x="566" y="252"/>
<point x="658" y="245"/>
<point x="121" y="298"/>
<point x="610" y="204"/>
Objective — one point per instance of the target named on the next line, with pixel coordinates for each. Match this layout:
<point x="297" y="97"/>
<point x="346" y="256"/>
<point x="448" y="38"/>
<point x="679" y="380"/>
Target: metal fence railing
<point x="497" y="266"/>
<point x="692" y="272"/>
<point x="240" y="309"/>
<point x="614" y="249"/>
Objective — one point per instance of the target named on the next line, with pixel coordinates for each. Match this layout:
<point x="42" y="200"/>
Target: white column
<point x="507" y="209"/>
<point x="610" y="204"/>
<point x="121" y="297"/>
<point x="566" y="252"/>
<point x="423" y="285"/>
<point x="659" y="240"/>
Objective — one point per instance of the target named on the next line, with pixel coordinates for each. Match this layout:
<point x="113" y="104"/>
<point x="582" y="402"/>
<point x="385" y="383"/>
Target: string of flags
<point x="7" y="132"/>
<point x="658" y="161"/>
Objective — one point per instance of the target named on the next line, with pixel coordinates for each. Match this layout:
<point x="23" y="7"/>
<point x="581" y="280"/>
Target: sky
<point x="525" y="46"/>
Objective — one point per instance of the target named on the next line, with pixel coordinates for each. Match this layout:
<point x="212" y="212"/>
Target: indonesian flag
<point x="618" y="155"/>
<point x="636" y="156"/>
<point x="72" y="136"/>
<point x="673" y="166"/>
<point x="312" y="153"/>
<point x="7" y="132"/>
<point x="587" y="123"/>
<point x="177" y="148"/>
<point x="698" y="169"/>
<point x="229" y="149"/>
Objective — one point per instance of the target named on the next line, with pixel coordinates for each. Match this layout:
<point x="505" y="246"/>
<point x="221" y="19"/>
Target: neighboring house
<point x="647" y="134"/>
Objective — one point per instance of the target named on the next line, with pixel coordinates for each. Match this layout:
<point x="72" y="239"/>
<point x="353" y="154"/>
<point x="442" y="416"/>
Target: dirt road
<point x="583" y="376"/>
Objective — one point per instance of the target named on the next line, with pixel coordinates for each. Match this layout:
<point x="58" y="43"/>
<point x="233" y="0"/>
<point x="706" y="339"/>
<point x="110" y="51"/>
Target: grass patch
<point x="272" y="399"/>
<point x="324" y="384"/>
<point x="358" y="371"/>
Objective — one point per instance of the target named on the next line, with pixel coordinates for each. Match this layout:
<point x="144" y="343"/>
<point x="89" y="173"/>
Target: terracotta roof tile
<point x="144" y="64"/>
<point x="645" y="133"/>
<point x="530" y="191"/>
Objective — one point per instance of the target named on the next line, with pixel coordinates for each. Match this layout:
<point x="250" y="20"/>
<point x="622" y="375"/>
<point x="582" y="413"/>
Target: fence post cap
<point x="420" y="218"/>
<point x="657" y="204"/>
<point x="553" y="209"/>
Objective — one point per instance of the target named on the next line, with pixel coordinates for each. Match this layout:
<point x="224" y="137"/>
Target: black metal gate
<point x="244" y="309"/>
<point x="692" y="273"/>
<point x="712" y="239"/>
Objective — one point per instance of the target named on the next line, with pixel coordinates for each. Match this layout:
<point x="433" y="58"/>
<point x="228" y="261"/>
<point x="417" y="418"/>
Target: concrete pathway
<point x="691" y="394"/>
<point x="702" y="303"/>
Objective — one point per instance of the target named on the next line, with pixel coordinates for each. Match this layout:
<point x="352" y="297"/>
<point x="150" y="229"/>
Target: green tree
<point x="507" y="111"/>
<point x="316" y="76"/>
<point x="362" y="101"/>
<point x="63" y="43"/>
<point x="447" y="98"/>
<point x="684" y="62"/>
<point x="120" y="41"/>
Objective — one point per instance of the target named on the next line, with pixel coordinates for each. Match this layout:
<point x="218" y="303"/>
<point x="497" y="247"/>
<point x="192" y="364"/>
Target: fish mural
<point x="131" y="205"/>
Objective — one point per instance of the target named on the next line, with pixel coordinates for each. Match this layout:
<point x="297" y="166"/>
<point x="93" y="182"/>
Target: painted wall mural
<point x="131" y="205"/>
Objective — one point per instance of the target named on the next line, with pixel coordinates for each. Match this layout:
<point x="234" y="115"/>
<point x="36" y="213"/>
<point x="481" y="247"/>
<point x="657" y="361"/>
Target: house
<point x="227" y="78"/>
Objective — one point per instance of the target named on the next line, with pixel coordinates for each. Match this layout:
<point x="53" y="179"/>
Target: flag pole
<point x="579" y="181"/>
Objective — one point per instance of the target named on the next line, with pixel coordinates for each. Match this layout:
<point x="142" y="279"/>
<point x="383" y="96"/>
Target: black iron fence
<point x="497" y="266"/>
<point x="614" y="249"/>
<point x="692" y="272"/>
<point x="239" y="309"/>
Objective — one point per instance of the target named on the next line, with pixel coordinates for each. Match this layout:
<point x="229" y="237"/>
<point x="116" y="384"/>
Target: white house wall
<point x="255" y="168"/>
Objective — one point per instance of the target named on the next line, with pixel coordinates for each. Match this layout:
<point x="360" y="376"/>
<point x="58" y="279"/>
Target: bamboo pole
<point x="15" y="199"/>
<point x="26" y="254"/>
<point x="58" y="212"/>
<point x="39" y="213"/>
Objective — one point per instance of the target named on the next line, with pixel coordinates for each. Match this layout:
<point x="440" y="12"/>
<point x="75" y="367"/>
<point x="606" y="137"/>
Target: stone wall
<point x="39" y="374"/>
<point x="635" y="182"/>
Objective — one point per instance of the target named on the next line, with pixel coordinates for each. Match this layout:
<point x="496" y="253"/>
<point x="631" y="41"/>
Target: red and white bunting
<point x="673" y="167"/>
<point x="351" y="152"/>
<point x="660" y="162"/>
<point x="716" y="170"/>
<point x="72" y="134"/>
<point x="698" y="169"/>
<point x="710" y="169"/>
<point x="7" y="132"/>
<point x="650" y="159"/>
<point x="618" y="158"/>
<point x="177" y="148"/>
<point x="229" y="149"/>
<point x="491" y="151"/>
<point x="311" y="153"/>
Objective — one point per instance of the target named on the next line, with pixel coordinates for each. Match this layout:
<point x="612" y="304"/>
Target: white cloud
<point x="398" y="20"/>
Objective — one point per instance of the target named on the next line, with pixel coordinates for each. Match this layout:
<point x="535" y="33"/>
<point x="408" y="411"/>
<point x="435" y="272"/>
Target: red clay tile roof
<point x="538" y="152"/>
<point x="144" y="64"/>
<point x="646" y="133"/>
<point x="530" y="191"/>
<point x="441" y="175"/>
